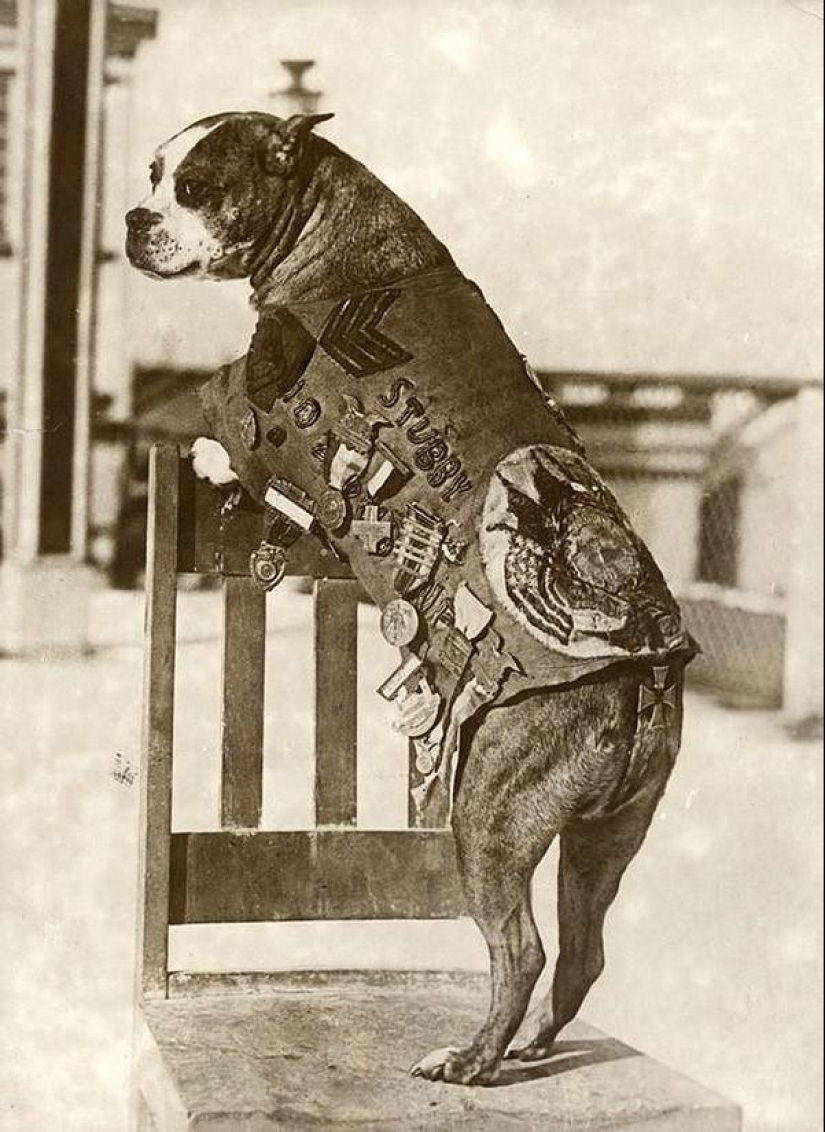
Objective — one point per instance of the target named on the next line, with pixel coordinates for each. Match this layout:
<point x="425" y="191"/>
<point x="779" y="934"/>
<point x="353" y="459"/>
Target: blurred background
<point x="636" y="186"/>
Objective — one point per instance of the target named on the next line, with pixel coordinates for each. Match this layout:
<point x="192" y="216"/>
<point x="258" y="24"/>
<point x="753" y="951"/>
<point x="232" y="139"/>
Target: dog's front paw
<point x="456" y="1066"/>
<point x="210" y="461"/>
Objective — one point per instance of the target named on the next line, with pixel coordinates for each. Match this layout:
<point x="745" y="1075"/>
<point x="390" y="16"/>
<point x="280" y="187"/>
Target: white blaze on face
<point x="180" y="241"/>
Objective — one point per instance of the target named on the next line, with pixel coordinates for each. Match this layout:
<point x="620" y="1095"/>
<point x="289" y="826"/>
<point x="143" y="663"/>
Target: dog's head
<point x="218" y="188"/>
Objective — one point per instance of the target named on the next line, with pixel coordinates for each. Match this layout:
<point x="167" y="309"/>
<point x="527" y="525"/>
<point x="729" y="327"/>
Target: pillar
<point x="44" y="584"/>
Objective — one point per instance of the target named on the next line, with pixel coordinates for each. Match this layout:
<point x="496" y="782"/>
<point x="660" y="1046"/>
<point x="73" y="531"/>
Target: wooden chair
<point x="253" y="1052"/>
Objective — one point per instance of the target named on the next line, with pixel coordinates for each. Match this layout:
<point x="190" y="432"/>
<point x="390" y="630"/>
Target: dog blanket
<point x="403" y="427"/>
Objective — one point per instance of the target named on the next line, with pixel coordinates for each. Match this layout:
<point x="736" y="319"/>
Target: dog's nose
<point x="139" y="220"/>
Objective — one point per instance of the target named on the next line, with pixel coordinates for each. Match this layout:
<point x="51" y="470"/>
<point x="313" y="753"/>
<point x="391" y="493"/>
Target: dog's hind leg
<point x="594" y="855"/>
<point x="502" y="831"/>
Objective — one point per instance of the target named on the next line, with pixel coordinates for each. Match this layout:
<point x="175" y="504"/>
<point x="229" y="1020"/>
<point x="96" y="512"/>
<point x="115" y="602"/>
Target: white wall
<point x="635" y="185"/>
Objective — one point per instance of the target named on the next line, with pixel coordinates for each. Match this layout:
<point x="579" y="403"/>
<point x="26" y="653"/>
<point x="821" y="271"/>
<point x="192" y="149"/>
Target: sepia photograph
<point x="411" y="565"/>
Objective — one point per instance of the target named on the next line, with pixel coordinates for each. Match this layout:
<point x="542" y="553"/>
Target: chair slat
<point x="336" y="722"/>
<point x="158" y="720"/>
<point x="334" y="874"/>
<point x="242" y="717"/>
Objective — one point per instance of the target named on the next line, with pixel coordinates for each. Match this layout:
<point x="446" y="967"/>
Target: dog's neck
<point x="342" y="231"/>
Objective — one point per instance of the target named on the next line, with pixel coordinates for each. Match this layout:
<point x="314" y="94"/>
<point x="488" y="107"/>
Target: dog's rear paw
<point x="537" y="1050"/>
<point x="455" y="1066"/>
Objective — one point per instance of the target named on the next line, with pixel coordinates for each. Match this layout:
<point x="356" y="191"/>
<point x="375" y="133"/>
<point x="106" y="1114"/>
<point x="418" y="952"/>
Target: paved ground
<point x="713" y="950"/>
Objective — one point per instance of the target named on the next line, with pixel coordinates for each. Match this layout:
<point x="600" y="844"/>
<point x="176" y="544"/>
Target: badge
<point x="373" y="528"/>
<point x="418" y="547"/>
<point x="331" y="510"/>
<point x="276" y="435"/>
<point x="307" y="413"/>
<point x="267" y="565"/>
<point x="250" y="430"/>
<point x="399" y="622"/>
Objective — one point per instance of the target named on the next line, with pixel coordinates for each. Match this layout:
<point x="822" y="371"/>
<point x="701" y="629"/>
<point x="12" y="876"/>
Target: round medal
<point x="418" y="713"/>
<point x="250" y="432"/>
<point x="399" y="622"/>
<point x="331" y="510"/>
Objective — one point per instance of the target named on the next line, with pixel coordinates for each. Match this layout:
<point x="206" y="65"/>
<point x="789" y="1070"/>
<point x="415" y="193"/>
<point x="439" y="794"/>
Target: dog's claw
<point x="432" y="1064"/>
<point x="533" y="1051"/>
<point x="455" y="1066"/>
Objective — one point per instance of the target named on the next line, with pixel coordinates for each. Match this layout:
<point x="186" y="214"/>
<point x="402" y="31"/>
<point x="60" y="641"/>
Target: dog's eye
<point x="190" y="191"/>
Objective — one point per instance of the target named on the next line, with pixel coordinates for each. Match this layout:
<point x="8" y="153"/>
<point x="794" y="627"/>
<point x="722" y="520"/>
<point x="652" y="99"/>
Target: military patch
<point x="280" y="351"/>
<point x="352" y="337"/>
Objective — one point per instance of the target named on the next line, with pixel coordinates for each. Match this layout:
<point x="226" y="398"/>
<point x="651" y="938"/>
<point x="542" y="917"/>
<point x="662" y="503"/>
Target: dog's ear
<point x="283" y="148"/>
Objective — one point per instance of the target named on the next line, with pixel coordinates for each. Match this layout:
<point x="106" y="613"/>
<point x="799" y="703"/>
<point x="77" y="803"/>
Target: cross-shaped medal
<point x="372" y="530"/>
<point x="656" y="697"/>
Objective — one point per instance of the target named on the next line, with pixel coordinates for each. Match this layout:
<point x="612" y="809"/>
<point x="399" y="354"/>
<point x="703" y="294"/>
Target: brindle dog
<point x="249" y="195"/>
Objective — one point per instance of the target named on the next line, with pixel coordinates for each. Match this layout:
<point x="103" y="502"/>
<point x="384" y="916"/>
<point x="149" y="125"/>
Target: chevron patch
<point x="352" y="337"/>
<point x="280" y="351"/>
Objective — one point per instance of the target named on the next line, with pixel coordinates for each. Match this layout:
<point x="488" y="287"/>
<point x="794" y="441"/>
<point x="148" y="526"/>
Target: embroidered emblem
<point x="280" y="351"/>
<point x="399" y="622"/>
<point x="373" y="528"/>
<point x="352" y="337"/>
<point x="658" y="698"/>
<point x="250" y="430"/>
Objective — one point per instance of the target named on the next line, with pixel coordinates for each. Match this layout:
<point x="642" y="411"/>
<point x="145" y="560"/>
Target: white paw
<point x="210" y="461"/>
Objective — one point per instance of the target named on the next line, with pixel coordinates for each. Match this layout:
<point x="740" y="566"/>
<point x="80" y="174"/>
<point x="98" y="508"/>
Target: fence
<point x="723" y="478"/>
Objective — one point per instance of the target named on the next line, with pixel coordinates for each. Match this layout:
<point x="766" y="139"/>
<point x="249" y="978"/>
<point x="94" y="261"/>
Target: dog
<point x="548" y="702"/>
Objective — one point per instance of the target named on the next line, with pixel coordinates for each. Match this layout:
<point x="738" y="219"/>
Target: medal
<point x="331" y="510"/>
<point x="291" y="502"/>
<point x="418" y="711"/>
<point x="399" y="622"/>
<point x="387" y="473"/>
<point x="418" y="547"/>
<point x="373" y="528"/>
